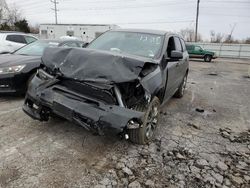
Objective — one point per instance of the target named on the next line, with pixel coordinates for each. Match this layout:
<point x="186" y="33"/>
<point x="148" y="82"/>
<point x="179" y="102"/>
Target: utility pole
<point x="197" y="19"/>
<point x="55" y="8"/>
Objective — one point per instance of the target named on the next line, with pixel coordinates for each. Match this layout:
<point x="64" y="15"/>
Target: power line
<point x="126" y="7"/>
<point x="247" y="2"/>
<point x="231" y="15"/>
<point x="55" y="8"/>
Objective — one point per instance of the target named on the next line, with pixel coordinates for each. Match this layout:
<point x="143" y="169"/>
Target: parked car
<point x="195" y="51"/>
<point x="11" y="41"/>
<point x="19" y="67"/>
<point x="118" y="82"/>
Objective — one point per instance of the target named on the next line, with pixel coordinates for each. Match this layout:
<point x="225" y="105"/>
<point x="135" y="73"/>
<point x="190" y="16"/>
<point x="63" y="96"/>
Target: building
<point x="4" y="10"/>
<point x="85" y="32"/>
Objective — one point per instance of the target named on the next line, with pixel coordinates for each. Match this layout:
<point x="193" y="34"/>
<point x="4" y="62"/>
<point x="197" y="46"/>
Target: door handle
<point x="177" y="64"/>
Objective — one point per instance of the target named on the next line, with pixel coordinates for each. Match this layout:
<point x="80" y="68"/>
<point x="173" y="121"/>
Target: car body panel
<point x="101" y="71"/>
<point x="17" y="82"/>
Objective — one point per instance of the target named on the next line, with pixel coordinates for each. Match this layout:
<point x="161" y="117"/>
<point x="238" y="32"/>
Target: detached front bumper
<point x="94" y="115"/>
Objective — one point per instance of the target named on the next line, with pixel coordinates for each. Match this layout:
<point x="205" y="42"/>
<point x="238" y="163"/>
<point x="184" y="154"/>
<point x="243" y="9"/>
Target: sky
<point x="171" y="15"/>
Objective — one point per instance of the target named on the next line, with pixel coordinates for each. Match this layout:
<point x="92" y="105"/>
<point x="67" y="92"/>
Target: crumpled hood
<point x="94" y="65"/>
<point x="13" y="60"/>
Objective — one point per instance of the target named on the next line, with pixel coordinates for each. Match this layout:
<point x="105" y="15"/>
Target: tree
<point x="34" y="29"/>
<point x="212" y="36"/>
<point x="14" y="21"/>
<point x="13" y="16"/>
<point x="22" y="25"/>
<point x="189" y="35"/>
<point x="247" y="41"/>
<point x="216" y="37"/>
<point x="5" y="27"/>
<point x="219" y="37"/>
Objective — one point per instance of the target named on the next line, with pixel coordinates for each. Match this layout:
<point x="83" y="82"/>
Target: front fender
<point x="153" y="82"/>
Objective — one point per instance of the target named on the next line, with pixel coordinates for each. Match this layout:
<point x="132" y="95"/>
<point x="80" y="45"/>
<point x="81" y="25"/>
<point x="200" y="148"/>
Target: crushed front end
<point x="97" y="90"/>
<point x="95" y="107"/>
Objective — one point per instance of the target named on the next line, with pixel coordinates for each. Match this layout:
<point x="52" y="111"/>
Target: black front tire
<point x="208" y="58"/>
<point x="145" y="133"/>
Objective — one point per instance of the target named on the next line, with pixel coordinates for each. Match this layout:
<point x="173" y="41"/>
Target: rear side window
<point x="16" y="38"/>
<point x="29" y="39"/>
<point x="189" y="47"/>
<point x="177" y="42"/>
<point x="183" y="45"/>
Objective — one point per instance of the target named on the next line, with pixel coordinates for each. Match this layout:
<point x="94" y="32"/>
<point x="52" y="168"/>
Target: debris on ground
<point x="190" y="150"/>
<point x="199" y="110"/>
<point x="213" y="74"/>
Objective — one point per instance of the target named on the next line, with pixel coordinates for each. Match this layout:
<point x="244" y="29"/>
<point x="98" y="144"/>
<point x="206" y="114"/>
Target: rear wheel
<point x="145" y="133"/>
<point x="180" y="92"/>
<point x="207" y="58"/>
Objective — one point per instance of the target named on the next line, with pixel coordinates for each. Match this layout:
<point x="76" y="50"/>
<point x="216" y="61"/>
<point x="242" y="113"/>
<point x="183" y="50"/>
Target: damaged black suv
<point x="117" y="83"/>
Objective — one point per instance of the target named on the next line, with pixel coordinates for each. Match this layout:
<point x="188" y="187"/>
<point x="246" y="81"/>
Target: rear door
<point x="14" y="42"/>
<point x="184" y="62"/>
<point x="180" y="63"/>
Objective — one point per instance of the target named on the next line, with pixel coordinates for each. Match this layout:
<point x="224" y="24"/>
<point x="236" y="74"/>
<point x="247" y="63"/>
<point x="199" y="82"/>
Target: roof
<point x="157" y="32"/>
<point x="78" y="24"/>
<point x="12" y="32"/>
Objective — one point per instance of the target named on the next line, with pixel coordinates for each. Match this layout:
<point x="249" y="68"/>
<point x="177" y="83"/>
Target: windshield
<point x="35" y="48"/>
<point x="140" y="44"/>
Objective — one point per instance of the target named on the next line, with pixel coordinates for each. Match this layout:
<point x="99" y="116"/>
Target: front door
<point x="172" y="68"/>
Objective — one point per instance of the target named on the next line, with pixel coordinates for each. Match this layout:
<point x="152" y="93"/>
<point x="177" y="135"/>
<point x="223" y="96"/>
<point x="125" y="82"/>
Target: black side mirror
<point x="176" y="55"/>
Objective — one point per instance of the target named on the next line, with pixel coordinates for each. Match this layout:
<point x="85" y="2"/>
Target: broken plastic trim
<point x="119" y="96"/>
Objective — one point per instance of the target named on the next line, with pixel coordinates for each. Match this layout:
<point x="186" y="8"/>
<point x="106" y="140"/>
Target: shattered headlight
<point x="12" y="69"/>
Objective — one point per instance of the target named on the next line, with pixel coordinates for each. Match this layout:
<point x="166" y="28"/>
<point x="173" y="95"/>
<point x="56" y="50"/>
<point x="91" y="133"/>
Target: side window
<point x="29" y="39"/>
<point x="16" y="38"/>
<point x="177" y="42"/>
<point x="183" y="45"/>
<point x="189" y="47"/>
<point x="171" y="46"/>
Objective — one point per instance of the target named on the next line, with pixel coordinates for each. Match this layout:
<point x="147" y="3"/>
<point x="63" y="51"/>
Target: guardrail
<point x="227" y="50"/>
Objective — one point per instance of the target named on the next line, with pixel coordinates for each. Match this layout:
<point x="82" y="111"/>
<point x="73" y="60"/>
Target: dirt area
<point x="203" y="140"/>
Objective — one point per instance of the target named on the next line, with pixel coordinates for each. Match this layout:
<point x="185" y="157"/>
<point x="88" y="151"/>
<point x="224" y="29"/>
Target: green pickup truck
<point x="195" y="51"/>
